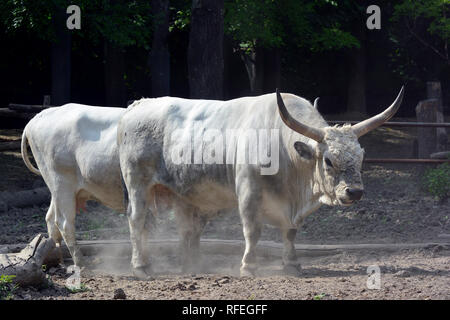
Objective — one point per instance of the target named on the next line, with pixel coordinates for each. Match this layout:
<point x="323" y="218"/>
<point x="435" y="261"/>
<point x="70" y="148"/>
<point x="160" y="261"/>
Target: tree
<point x="355" y="20"/>
<point x="48" y="22"/>
<point x="61" y="52"/>
<point x="259" y="27"/>
<point x="205" y="52"/>
<point x="421" y="32"/>
<point x="117" y="23"/>
<point x="159" y="58"/>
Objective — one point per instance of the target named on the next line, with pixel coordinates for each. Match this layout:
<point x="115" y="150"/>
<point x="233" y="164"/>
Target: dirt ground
<point x="395" y="209"/>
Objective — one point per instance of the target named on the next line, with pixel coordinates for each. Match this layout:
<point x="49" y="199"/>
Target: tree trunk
<point x="24" y="198"/>
<point x="205" y="52"/>
<point x="255" y="66"/>
<point x="356" y="102"/>
<point x="249" y="60"/>
<point x="227" y="70"/>
<point x="61" y="60"/>
<point x="272" y="70"/>
<point x="426" y="137"/>
<point x="356" y="95"/>
<point x="159" y="58"/>
<point x="26" y="265"/>
<point x="434" y="91"/>
<point x="115" y="92"/>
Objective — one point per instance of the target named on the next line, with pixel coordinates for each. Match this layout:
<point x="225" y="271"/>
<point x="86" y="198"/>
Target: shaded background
<point x="223" y="49"/>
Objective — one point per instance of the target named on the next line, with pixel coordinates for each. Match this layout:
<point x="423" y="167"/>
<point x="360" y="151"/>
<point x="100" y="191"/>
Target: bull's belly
<point x="109" y="195"/>
<point x="211" y="197"/>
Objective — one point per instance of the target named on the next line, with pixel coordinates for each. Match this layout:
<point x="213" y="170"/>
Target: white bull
<point x="75" y="149"/>
<point x="318" y="164"/>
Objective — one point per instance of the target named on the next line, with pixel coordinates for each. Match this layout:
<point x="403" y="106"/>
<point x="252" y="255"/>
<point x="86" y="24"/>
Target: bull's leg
<point x="291" y="266"/>
<point x="249" y="199"/>
<point x="65" y="211"/>
<point x="52" y="228"/>
<point x="252" y="232"/>
<point x="185" y="226"/>
<point x="137" y="214"/>
<point x="190" y="226"/>
<point x="199" y="221"/>
<point x="149" y="223"/>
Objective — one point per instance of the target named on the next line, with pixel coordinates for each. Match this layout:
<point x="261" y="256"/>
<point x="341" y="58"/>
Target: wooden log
<point x="445" y="155"/>
<point x="27" y="107"/>
<point x="426" y="137"/>
<point x="9" y="145"/>
<point x="434" y="91"/>
<point x="26" y="265"/>
<point x="24" y="198"/>
<point x="7" y="113"/>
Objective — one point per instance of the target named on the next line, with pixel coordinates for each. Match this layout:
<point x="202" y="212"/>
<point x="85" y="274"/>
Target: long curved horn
<point x="316" y="103"/>
<point x="367" y="125"/>
<point x="310" y="132"/>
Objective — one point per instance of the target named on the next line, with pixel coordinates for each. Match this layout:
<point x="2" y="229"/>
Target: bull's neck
<point x="301" y="175"/>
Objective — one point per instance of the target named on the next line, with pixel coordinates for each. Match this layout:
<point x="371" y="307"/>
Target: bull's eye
<point x="328" y="162"/>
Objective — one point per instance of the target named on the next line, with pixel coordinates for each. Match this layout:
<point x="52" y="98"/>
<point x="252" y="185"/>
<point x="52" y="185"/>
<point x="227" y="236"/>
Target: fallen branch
<point x="440" y="155"/>
<point x="7" y="113"/>
<point x="27" y="107"/>
<point x="24" y="198"/>
<point x="26" y="265"/>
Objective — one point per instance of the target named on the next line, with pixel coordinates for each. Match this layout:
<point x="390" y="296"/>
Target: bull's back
<point x="78" y="142"/>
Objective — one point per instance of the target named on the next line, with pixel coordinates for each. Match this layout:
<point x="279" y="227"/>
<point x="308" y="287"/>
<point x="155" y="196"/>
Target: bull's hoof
<point x="247" y="272"/>
<point x="81" y="261"/>
<point x="292" y="270"/>
<point x="142" y="273"/>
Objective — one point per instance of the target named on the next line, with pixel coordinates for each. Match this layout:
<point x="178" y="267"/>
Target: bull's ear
<point x="304" y="150"/>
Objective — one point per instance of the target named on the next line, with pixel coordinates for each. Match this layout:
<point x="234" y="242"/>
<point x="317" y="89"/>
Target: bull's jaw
<point x="345" y="203"/>
<point x="326" y="199"/>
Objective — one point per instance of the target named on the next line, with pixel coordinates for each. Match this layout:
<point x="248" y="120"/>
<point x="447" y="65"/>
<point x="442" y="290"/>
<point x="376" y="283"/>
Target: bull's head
<point x="338" y="155"/>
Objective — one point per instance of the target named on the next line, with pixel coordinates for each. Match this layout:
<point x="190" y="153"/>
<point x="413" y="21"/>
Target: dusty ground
<point x="408" y="274"/>
<point x="395" y="209"/>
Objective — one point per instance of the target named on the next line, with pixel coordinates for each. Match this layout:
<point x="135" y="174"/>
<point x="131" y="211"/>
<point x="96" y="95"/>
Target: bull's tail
<point x="126" y="200"/>
<point x="25" y="156"/>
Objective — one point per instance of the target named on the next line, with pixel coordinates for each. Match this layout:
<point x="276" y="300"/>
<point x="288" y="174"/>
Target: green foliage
<point x="33" y="16"/>
<point x="7" y="287"/>
<point x="437" y="181"/>
<point x="82" y="288"/>
<point x="252" y="22"/>
<point x="420" y="29"/>
<point x="433" y="13"/>
<point x="123" y="23"/>
<point x="333" y="38"/>
<point x="181" y="19"/>
<point x="270" y="23"/>
<point x="319" y="296"/>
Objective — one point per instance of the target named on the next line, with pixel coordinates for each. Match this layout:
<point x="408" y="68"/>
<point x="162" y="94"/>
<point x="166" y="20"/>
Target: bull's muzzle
<point x="354" y="194"/>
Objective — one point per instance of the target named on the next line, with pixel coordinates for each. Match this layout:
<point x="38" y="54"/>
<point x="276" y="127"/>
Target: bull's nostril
<point x="354" y="194"/>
